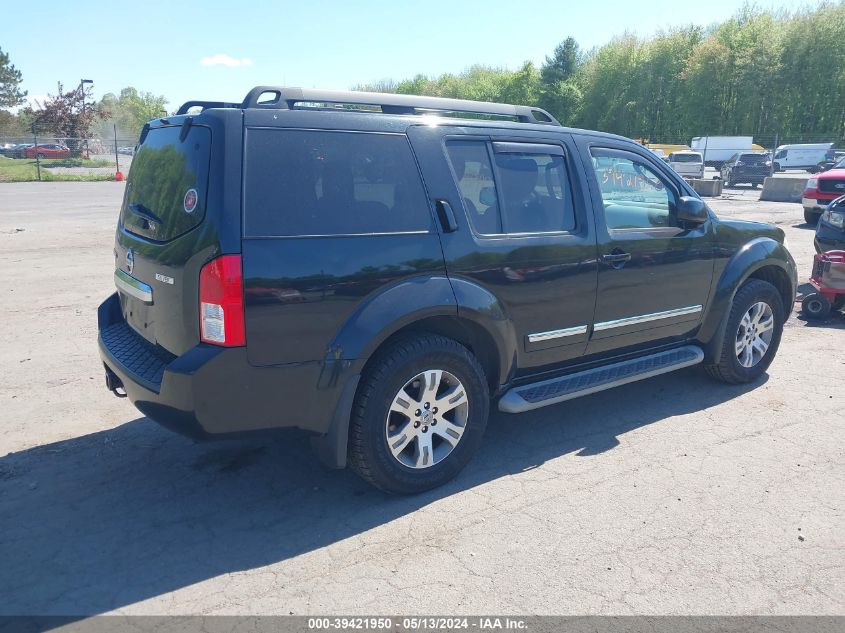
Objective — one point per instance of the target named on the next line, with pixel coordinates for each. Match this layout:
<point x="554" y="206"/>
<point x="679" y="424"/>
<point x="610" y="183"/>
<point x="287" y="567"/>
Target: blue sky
<point x="219" y="50"/>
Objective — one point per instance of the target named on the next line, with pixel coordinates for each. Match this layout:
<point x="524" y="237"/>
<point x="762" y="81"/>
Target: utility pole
<point x="82" y="83"/>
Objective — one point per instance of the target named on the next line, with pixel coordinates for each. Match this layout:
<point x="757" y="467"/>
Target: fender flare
<point x="384" y="314"/>
<point x="754" y="255"/>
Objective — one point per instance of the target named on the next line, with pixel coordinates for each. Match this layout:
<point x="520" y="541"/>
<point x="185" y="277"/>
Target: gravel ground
<point x="675" y="495"/>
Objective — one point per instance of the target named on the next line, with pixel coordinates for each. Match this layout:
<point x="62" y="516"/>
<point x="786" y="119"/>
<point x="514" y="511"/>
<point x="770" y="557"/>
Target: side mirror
<point x="692" y="210"/>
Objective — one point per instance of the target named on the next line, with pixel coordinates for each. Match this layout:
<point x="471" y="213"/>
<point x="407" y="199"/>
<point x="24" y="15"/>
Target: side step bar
<point x="541" y="394"/>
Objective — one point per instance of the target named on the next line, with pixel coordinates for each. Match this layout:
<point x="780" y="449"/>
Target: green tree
<point x="10" y="80"/>
<point x="563" y="64"/>
<point x="129" y="111"/>
<point x="67" y="115"/>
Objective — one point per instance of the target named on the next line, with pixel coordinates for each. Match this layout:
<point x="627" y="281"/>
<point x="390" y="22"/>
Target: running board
<point x="541" y="394"/>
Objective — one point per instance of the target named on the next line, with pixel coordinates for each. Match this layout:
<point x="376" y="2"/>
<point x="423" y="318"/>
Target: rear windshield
<point x="754" y="159"/>
<point x="166" y="187"/>
<point x="685" y="158"/>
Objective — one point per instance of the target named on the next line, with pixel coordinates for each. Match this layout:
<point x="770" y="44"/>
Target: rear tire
<point x="751" y="337"/>
<point x="816" y="306"/>
<point x="390" y="406"/>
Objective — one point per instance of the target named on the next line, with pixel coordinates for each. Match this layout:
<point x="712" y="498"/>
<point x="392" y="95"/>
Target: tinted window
<point x="474" y="175"/>
<point x="331" y="183"/>
<point x="633" y="194"/>
<point x="534" y="193"/>
<point x="685" y="158"/>
<point x="520" y="192"/>
<point x="163" y="171"/>
<point x="754" y="159"/>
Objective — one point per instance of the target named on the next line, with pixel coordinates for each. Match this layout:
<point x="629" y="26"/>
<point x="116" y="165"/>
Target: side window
<point x="634" y="195"/>
<point x="524" y="190"/>
<point x="474" y="176"/>
<point x="302" y="182"/>
<point x="534" y="192"/>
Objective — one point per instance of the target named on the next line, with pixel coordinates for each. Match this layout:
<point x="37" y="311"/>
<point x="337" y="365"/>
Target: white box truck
<point x="801" y="155"/>
<point x="718" y="149"/>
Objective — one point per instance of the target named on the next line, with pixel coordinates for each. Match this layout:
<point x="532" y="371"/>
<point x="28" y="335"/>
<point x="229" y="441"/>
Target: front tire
<point x="811" y="217"/>
<point x="752" y="334"/>
<point x="419" y="414"/>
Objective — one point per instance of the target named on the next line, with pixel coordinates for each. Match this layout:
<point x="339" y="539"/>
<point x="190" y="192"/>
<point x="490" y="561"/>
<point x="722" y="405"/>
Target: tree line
<point x="761" y="73"/>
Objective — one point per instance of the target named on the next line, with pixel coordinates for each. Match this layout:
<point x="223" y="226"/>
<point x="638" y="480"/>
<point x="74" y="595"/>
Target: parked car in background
<point x="801" y="155"/>
<point x="127" y="151"/>
<point x="687" y="164"/>
<point x="6" y="149"/>
<point x="827" y="163"/>
<point x="48" y="150"/>
<point x="821" y="190"/>
<point x="751" y="168"/>
<point x="717" y="149"/>
<point x="19" y="150"/>
<point x="830" y="231"/>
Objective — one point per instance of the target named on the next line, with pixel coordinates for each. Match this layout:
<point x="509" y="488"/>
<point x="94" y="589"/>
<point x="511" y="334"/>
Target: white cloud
<point x="225" y="60"/>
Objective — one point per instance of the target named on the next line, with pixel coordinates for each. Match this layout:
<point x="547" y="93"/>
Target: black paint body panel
<point x="318" y="307"/>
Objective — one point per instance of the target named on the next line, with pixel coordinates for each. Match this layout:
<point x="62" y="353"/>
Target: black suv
<point x="746" y="168"/>
<point x="376" y="269"/>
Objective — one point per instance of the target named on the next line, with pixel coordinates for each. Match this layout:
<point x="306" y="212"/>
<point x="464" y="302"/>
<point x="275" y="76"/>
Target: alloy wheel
<point x="427" y="419"/>
<point x="754" y="334"/>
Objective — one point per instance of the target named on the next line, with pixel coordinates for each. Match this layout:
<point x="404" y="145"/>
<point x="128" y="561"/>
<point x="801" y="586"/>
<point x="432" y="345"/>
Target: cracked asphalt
<point x="675" y="495"/>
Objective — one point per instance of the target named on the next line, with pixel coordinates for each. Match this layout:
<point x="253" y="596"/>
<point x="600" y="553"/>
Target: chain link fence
<point x="70" y="156"/>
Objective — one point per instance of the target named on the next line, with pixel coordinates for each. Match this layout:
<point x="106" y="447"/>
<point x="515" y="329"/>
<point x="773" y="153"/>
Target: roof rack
<point x="277" y="97"/>
<point x="204" y="105"/>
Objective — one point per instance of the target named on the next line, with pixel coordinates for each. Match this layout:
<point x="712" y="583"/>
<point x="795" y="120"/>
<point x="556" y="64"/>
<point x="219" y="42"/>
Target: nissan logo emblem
<point x="130" y="260"/>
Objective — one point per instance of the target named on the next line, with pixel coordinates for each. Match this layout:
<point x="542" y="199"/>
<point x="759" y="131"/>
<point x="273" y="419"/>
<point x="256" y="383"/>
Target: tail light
<point x="222" y="302"/>
<point x="812" y="183"/>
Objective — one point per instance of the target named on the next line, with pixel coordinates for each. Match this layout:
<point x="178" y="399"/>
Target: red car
<point x="50" y="150"/>
<point x="821" y="190"/>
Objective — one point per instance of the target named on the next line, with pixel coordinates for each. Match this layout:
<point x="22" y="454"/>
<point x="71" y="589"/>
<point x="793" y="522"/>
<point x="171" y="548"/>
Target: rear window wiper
<point x="142" y="211"/>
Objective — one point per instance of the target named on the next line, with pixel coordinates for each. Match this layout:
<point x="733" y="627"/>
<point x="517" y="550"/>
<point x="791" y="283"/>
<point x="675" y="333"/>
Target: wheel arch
<point x="762" y="258"/>
<point x="417" y="305"/>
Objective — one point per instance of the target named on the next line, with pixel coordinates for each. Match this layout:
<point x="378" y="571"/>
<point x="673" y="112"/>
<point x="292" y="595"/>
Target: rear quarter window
<point x="307" y="182"/>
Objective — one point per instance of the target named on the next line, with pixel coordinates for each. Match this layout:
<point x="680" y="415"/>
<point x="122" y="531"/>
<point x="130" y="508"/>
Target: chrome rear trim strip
<point x="552" y="334"/>
<point x="645" y="318"/>
<point x="133" y="287"/>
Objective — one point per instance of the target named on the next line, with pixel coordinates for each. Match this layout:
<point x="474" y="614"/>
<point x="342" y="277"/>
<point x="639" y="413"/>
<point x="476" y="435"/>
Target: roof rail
<point x="277" y="97"/>
<point x="205" y="105"/>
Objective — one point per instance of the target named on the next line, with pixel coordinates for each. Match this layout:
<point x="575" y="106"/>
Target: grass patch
<point x="17" y="170"/>
<point x="76" y="162"/>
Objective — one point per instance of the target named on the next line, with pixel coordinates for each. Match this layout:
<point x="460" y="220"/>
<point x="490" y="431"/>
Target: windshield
<point x="840" y="164"/>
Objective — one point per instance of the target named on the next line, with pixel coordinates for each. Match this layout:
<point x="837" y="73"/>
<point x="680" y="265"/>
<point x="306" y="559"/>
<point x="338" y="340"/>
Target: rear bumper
<point x="213" y="391"/>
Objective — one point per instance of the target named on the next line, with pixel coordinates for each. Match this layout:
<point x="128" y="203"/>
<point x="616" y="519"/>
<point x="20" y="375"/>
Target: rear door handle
<point x="446" y="216"/>
<point x="616" y="259"/>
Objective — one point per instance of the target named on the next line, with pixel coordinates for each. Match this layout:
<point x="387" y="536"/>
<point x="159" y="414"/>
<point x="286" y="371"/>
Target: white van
<point x="687" y="164"/>
<point x="800" y="156"/>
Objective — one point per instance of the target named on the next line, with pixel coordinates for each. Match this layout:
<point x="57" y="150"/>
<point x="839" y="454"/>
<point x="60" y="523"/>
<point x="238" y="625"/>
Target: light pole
<point x="82" y="83"/>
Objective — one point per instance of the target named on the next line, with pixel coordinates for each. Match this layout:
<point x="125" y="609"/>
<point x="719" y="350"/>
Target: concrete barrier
<point x="707" y="188"/>
<point x="783" y="189"/>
